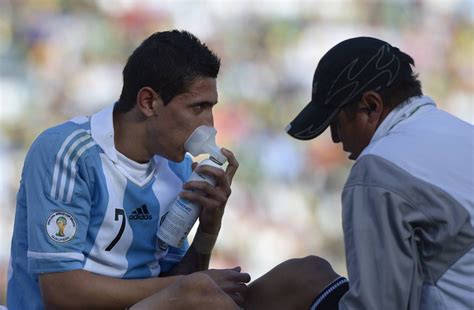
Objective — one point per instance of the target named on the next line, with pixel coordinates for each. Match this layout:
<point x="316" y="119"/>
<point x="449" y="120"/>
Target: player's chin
<point x="178" y="157"/>
<point x="353" y="156"/>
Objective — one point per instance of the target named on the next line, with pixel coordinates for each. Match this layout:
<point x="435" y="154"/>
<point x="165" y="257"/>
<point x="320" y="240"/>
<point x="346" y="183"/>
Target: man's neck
<point x="129" y="136"/>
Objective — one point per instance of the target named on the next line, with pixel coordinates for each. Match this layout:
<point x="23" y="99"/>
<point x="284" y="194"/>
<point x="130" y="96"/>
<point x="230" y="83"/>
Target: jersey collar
<point x="102" y="131"/>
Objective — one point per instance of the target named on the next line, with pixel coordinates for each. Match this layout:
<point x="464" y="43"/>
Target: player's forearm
<point x="198" y="256"/>
<point x="191" y="262"/>
<point x="82" y="289"/>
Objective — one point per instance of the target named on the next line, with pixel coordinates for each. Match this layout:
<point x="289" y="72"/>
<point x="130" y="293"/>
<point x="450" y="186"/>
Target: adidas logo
<point x="140" y="213"/>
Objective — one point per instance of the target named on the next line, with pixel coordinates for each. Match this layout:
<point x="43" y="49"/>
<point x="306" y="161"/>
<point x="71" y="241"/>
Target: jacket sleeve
<point x="383" y="267"/>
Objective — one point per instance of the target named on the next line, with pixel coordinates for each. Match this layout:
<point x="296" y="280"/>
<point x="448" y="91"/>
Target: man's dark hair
<point x="401" y="91"/>
<point x="168" y="62"/>
<point x="393" y="95"/>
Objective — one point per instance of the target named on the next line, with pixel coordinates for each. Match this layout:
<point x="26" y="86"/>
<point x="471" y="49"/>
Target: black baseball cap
<point x="345" y="72"/>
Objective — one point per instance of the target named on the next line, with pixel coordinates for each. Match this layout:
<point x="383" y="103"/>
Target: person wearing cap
<point x="112" y="177"/>
<point x="408" y="203"/>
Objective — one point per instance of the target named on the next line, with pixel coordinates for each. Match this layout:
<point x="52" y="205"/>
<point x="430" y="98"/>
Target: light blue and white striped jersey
<point x="77" y="209"/>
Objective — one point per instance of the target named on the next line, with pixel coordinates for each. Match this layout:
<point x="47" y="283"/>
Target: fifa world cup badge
<point x="61" y="227"/>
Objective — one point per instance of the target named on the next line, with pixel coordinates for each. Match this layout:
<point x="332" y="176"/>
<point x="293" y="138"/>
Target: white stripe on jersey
<point x="111" y="263"/>
<point x="72" y="179"/>
<point x="56" y="176"/>
<point x="63" y="175"/>
<point x="58" y="159"/>
<point x="166" y="187"/>
<point x="73" y="255"/>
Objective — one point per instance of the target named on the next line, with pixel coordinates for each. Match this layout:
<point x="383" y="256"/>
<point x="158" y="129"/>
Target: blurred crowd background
<point x="62" y="58"/>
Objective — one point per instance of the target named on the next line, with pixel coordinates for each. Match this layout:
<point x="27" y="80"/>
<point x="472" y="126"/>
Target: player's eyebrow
<point x="210" y="103"/>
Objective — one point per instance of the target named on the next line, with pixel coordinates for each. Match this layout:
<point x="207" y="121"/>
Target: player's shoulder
<point x="72" y="127"/>
<point x="64" y="137"/>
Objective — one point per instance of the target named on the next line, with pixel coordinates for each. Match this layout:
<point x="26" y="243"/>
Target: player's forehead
<point x="202" y="89"/>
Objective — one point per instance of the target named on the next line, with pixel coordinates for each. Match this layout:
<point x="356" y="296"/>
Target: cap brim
<point x="311" y="121"/>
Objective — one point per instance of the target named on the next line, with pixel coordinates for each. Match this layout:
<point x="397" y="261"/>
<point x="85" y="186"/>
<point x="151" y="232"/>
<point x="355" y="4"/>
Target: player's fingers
<point x="220" y="193"/>
<point x="215" y="201"/>
<point x="243" y="277"/>
<point x="237" y="276"/>
<point x="222" y="180"/>
<point x="232" y="166"/>
<point x="232" y="287"/>
<point x="240" y="288"/>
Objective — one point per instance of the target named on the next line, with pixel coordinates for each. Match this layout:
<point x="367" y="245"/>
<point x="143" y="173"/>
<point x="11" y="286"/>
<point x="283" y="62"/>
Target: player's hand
<point x="212" y="199"/>
<point x="231" y="281"/>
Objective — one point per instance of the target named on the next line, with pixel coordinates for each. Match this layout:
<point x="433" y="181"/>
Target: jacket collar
<point x="401" y="113"/>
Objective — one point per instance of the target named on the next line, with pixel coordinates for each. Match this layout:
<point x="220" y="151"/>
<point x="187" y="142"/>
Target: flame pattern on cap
<point x="386" y="68"/>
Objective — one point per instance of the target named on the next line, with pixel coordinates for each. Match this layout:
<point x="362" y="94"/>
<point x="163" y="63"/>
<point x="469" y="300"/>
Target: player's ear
<point x="149" y="102"/>
<point x="372" y="104"/>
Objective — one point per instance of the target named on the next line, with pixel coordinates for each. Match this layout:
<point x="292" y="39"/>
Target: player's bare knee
<point x="302" y="272"/>
<point x="310" y="263"/>
<point x="316" y="263"/>
<point x="316" y="266"/>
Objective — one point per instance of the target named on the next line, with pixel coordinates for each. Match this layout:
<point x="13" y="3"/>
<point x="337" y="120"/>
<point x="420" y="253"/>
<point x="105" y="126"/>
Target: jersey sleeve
<point x="58" y="201"/>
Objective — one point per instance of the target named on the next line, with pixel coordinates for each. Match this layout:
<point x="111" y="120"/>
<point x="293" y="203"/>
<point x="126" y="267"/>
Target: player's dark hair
<point x="168" y="62"/>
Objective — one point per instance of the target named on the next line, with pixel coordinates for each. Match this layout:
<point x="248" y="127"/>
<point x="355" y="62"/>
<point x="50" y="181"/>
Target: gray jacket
<point x="408" y="214"/>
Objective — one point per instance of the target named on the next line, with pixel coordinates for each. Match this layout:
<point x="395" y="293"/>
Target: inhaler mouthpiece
<point x="202" y="141"/>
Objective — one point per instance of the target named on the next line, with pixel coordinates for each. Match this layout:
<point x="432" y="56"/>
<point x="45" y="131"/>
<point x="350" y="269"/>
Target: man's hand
<point x="212" y="199"/>
<point x="231" y="281"/>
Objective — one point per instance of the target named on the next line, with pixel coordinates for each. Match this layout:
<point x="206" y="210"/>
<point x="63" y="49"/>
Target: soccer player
<point x="94" y="189"/>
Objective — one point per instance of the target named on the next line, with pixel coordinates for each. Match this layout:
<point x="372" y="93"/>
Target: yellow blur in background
<point x="63" y="58"/>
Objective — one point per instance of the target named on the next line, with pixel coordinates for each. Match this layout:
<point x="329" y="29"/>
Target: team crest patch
<point x="61" y="227"/>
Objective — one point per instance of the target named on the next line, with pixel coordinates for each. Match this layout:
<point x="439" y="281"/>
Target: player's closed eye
<point x="202" y="106"/>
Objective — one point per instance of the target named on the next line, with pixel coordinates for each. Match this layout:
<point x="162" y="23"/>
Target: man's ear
<point x="149" y="102"/>
<point x="373" y="103"/>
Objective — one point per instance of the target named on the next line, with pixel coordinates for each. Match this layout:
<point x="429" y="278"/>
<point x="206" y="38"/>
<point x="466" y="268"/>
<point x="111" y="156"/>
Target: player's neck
<point x="130" y="136"/>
